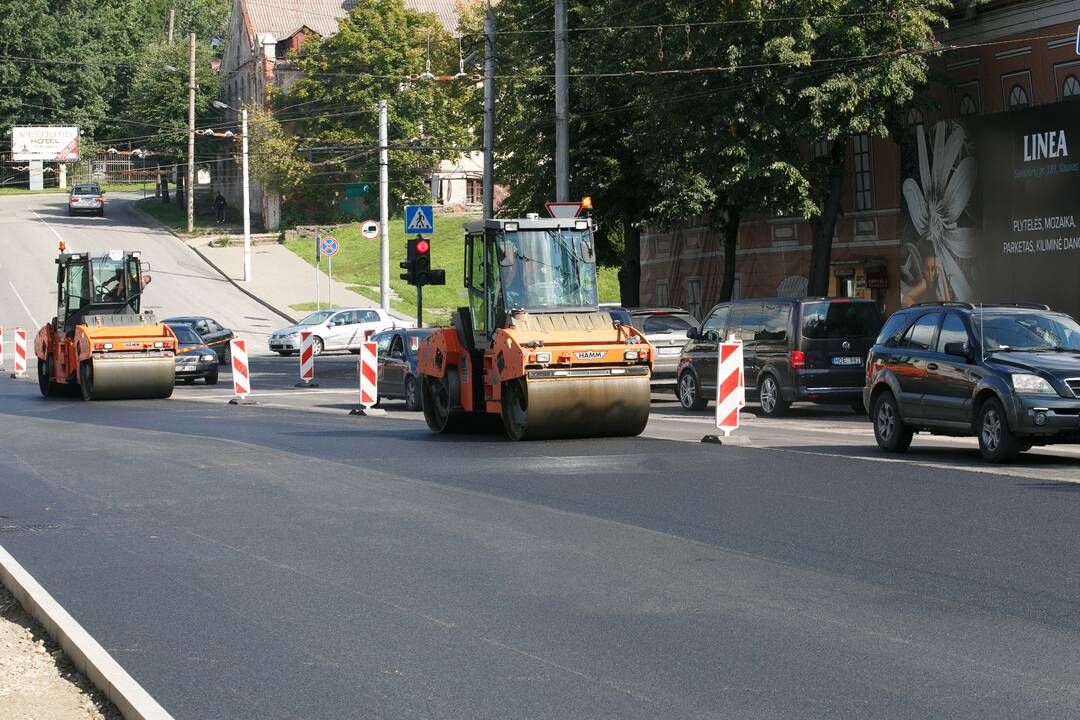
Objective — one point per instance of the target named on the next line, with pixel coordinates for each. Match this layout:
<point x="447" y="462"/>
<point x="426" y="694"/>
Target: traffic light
<point x="417" y="264"/>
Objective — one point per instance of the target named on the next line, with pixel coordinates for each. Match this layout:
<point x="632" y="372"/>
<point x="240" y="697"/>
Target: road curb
<point x="211" y="263"/>
<point x="86" y="654"/>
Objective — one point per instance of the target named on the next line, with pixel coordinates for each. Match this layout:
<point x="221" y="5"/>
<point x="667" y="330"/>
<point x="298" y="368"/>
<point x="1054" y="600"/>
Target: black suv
<point x="793" y="349"/>
<point x="1009" y="374"/>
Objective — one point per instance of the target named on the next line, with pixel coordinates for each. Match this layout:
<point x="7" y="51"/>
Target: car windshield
<point x="185" y="335"/>
<point x="548" y="268"/>
<point x="830" y="319"/>
<point x="1033" y="331"/>
<point x="664" y="323"/>
<point x="316" y="318"/>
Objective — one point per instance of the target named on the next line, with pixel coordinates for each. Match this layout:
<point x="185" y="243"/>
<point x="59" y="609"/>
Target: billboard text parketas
<point x="991" y="208"/>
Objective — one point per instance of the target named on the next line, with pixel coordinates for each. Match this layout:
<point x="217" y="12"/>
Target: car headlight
<point x="207" y="358"/>
<point x="1025" y="383"/>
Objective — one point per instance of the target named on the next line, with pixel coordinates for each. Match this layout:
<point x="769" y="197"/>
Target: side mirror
<point x="693" y="333"/>
<point x="959" y="349"/>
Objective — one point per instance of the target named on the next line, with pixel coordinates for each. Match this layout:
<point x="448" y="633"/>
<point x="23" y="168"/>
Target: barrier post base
<point x="368" y="412"/>
<point x="243" y="401"/>
<point x="740" y="440"/>
<point x="306" y="384"/>
<point x="19" y="376"/>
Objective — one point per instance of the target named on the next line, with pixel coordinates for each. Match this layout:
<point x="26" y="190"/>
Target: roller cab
<point x="532" y="348"/>
<point x="99" y="344"/>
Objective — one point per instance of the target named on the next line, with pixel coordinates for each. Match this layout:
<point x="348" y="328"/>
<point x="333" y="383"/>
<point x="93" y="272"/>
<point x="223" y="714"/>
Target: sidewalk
<point x="281" y="278"/>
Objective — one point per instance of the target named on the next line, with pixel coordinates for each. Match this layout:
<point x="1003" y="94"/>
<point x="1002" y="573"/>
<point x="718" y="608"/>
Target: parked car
<point x="807" y="349"/>
<point x="87" y="198"/>
<point x="193" y="359"/>
<point x="665" y="329"/>
<point x="1008" y="374"/>
<point x="210" y="330"/>
<point x="398" y="377"/>
<point x="342" y="329"/>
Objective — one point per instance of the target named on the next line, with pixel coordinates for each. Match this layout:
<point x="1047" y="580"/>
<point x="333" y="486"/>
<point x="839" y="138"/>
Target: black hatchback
<point x="806" y="349"/>
<point x="1008" y="374"/>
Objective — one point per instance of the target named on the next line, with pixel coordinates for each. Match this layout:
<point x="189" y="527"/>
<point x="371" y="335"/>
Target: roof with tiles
<point x="284" y="18"/>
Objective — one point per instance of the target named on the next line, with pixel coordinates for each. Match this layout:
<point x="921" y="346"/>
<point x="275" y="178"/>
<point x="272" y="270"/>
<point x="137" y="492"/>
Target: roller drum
<point x="576" y="407"/>
<point x="128" y="378"/>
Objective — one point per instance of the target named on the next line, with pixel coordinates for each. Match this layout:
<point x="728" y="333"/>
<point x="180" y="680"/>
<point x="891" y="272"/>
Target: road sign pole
<point x="419" y="306"/>
<point x="330" y="282"/>
<point x="318" y="259"/>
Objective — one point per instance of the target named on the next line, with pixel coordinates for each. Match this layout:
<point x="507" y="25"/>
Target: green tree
<point x="158" y="96"/>
<point x="378" y="53"/>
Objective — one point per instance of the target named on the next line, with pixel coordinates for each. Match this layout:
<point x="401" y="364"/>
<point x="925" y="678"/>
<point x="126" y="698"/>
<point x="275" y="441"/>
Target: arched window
<point x="1070" y="87"/>
<point x="914" y="117"/>
<point x="1018" y="97"/>
<point x="967" y="106"/>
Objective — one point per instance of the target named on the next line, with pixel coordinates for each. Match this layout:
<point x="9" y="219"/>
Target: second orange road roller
<point x="99" y="343"/>
<point x="533" y="347"/>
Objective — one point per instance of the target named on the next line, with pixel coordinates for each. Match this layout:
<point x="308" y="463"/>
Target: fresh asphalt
<point x="287" y="560"/>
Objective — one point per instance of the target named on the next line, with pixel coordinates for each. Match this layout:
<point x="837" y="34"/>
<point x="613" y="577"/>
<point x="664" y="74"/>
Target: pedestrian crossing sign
<point x="419" y="220"/>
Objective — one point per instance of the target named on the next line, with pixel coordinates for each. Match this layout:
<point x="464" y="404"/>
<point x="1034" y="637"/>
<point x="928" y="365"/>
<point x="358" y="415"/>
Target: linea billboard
<point x="990" y="209"/>
<point x="52" y="144"/>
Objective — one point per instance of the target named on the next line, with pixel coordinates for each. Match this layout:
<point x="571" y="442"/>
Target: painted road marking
<point x="23" y="303"/>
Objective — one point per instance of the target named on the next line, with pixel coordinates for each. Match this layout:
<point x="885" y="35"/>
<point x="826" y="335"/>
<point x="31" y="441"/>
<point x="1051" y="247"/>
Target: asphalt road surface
<point x="287" y="560"/>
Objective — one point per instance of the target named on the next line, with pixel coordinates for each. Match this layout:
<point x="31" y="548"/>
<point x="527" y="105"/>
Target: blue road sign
<point x="329" y="246"/>
<point x="1078" y="39"/>
<point x="419" y="220"/>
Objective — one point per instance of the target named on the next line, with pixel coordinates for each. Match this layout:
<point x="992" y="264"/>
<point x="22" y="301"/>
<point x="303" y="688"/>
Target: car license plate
<point x="847" y="361"/>
<point x="668" y="350"/>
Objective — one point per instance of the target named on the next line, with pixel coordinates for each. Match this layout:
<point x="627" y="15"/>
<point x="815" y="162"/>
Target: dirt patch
<point x="37" y="681"/>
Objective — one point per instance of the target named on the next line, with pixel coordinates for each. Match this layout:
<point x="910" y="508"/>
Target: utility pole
<point x="489" y="112"/>
<point x="562" y="107"/>
<point x="172" y="22"/>
<point x="384" y="210"/>
<point x="247" y="193"/>
<point x="189" y="190"/>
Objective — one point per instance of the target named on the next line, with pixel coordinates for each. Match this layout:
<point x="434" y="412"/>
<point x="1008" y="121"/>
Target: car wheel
<point x="212" y="378"/>
<point x="690" y="394"/>
<point x="769" y="397"/>
<point x="996" y="441"/>
<point x="890" y="430"/>
<point x="412" y="394"/>
<point x="316" y="345"/>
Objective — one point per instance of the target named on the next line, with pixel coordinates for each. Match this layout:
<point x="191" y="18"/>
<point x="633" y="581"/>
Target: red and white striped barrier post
<point x="1" y="348"/>
<point x="730" y="390"/>
<point x="20" y="354"/>
<point x="367" y="370"/>
<point x="307" y="361"/>
<point x="241" y="373"/>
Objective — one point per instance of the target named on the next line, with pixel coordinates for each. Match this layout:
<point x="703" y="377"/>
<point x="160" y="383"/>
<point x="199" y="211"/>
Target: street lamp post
<point x="247" y="184"/>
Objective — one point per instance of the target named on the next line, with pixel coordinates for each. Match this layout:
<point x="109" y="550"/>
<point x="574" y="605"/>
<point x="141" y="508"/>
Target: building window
<point x="1018" y="97"/>
<point x="474" y="191"/>
<point x="1071" y="87"/>
<point x="967" y="106"/>
<point x="661" y="292"/>
<point x="914" y="117"/>
<point x="820" y="149"/>
<point x="863" y="173"/>
<point x="693" y="296"/>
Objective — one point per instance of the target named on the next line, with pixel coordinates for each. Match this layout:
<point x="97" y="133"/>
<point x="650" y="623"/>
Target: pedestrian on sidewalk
<point x="219" y="206"/>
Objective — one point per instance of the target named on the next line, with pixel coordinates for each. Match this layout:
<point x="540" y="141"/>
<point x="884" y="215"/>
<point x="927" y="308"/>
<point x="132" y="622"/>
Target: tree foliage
<point x="704" y="109"/>
<point x="371" y="57"/>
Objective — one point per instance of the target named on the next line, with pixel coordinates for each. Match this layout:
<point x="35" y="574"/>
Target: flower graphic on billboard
<point x="935" y="202"/>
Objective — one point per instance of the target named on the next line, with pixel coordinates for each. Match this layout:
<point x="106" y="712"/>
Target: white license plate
<point x="668" y="350"/>
<point x="847" y="361"/>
